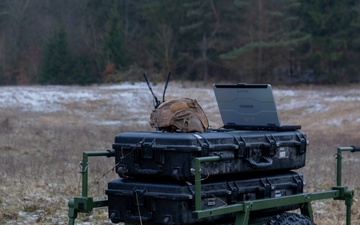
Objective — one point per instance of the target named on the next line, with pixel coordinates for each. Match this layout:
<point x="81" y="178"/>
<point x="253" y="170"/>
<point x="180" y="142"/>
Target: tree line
<point x="260" y="41"/>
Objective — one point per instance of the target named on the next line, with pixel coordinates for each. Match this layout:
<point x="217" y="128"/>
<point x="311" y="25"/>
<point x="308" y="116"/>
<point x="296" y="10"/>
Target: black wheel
<point x="290" y="219"/>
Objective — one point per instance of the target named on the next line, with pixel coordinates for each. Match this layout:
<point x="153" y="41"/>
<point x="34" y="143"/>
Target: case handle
<point x="259" y="165"/>
<point x="139" y="218"/>
<point x="149" y="171"/>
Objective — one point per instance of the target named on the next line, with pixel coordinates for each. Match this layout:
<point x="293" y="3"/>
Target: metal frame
<point x="244" y="208"/>
<point x="85" y="204"/>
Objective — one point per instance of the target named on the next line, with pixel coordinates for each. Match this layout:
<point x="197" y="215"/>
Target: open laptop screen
<point x="247" y="105"/>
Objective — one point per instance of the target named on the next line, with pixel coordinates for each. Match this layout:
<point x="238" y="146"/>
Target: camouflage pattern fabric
<point x="182" y="115"/>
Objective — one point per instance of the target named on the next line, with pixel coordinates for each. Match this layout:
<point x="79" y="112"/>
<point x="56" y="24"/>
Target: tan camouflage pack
<point x="184" y="115"/>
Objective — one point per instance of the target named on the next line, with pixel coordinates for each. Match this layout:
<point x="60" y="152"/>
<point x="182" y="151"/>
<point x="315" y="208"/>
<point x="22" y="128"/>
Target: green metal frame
<point x="244" y="208"/>
<point x="85" y="204"/>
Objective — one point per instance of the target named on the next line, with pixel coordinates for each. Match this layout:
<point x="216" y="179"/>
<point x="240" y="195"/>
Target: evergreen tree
<point x="81" y="70"/>
<point x="114" y="40"/>
<point x="331" y="26"/>
<point x="56" y="60"/>
<point x="61" y="66"/>
<point x="268" y="39"/>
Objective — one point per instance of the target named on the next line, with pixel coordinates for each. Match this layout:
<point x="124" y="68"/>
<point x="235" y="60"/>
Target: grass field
<point x="45" y="129"/>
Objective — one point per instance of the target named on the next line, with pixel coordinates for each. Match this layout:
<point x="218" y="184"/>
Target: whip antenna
<point x="156" y="101"/>
<point x="166" y="84"/>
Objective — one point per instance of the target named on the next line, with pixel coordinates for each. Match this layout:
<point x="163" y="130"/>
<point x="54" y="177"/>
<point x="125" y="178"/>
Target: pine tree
<point x="56" y="61"/>
<point x="268" y="37"/>
<point x="331" y="26"/>
<point x="81" y="70"/>
<point x="114" y="41"/>
<point x="61" y="66"/>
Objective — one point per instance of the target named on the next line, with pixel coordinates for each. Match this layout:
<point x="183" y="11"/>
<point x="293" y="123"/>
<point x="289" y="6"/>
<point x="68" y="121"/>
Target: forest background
<point x="98" y="41"/>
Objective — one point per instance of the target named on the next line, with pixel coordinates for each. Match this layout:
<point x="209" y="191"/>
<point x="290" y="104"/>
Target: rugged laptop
<point x="249" y="107"/>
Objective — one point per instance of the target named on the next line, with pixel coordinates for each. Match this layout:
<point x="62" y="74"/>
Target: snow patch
<point x="342" y="98"/>
<point x="283" y="93"/>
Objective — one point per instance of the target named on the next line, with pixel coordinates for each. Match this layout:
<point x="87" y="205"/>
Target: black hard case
<point x="157" y="202"/>
<point x="161" y="154"/>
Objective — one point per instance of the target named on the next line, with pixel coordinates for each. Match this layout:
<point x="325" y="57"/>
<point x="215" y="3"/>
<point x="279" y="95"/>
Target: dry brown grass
<point x="40" y="151"/>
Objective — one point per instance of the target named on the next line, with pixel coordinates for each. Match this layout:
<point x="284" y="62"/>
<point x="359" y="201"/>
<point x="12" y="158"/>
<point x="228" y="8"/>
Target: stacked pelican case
<point x="156" y="169"/>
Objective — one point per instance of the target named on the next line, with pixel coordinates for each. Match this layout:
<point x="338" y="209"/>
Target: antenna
<point x="156" y="101"/>
<point x="166" y="84"/>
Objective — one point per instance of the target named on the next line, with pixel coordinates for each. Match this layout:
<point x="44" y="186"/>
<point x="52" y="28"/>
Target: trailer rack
<point x="85" y="204"/>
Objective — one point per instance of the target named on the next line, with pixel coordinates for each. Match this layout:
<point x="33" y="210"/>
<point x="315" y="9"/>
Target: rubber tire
<point x="290" y="219"/>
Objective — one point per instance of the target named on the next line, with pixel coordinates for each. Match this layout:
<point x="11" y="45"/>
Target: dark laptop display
<point x="249" y="106"/>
